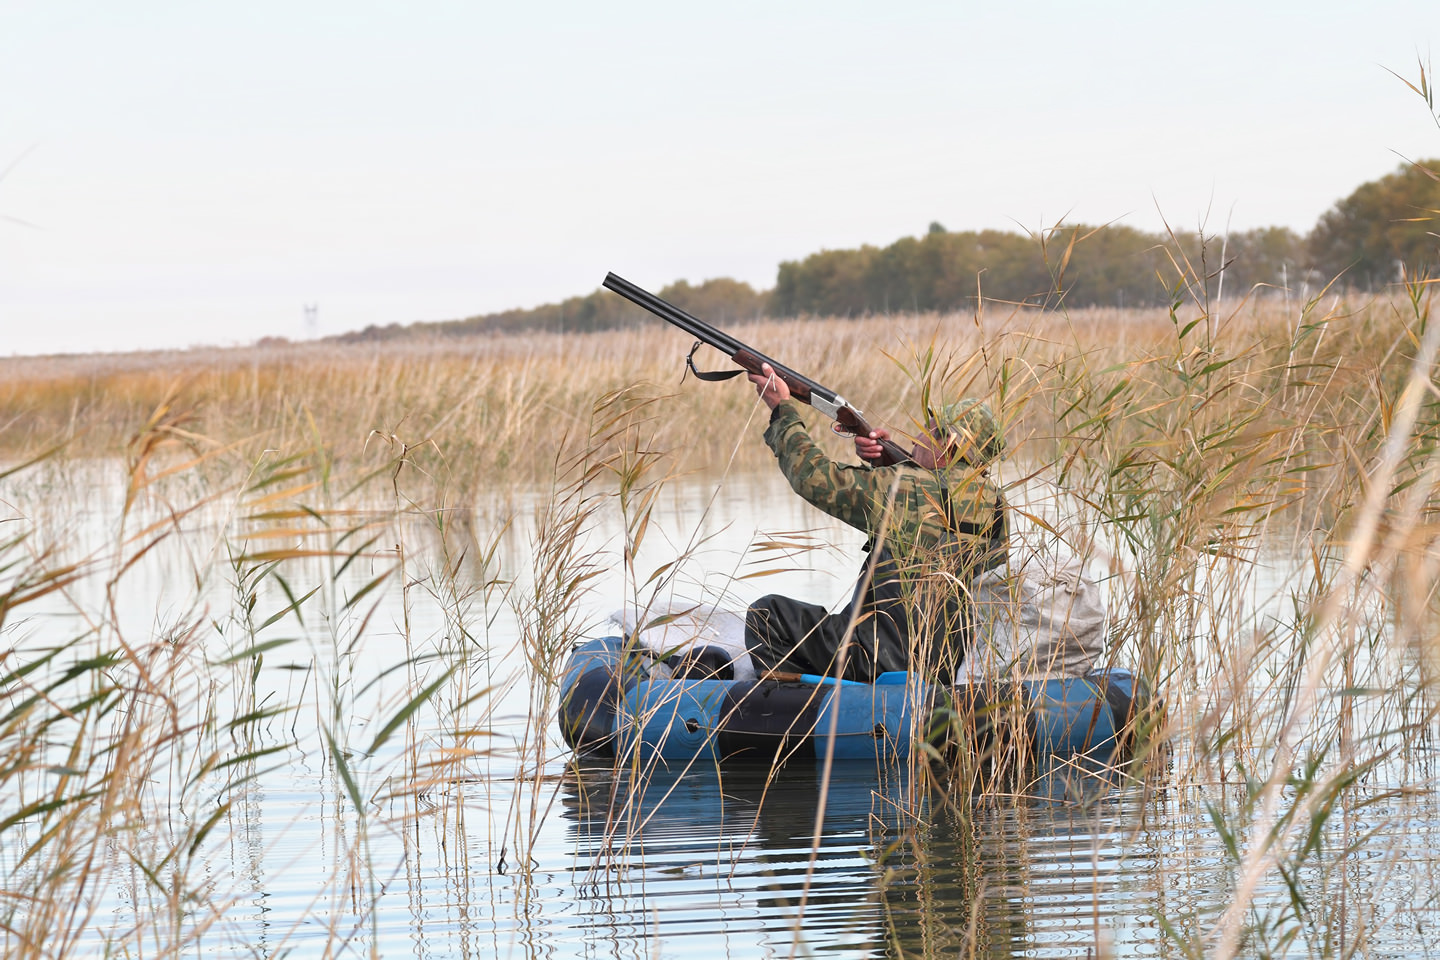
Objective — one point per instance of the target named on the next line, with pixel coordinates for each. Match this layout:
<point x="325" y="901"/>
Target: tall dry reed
<point x="1257" y="479"/>
<point x="135" y="747"/>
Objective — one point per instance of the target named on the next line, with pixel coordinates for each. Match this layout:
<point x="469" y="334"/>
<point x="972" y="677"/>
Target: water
<point x="476" y="834"/>
<point x="723" y="864"/>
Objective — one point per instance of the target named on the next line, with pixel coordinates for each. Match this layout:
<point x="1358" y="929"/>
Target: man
<point x="934" y="524"/>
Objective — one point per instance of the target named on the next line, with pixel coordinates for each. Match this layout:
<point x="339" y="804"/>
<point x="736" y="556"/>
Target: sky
<point x="177" y="174"/>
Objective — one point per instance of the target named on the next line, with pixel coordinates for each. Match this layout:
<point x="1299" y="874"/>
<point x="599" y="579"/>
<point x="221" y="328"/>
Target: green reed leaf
<point x="408" y="711"/>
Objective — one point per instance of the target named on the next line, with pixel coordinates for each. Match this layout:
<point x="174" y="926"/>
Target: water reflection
<point x="728" y="856"/>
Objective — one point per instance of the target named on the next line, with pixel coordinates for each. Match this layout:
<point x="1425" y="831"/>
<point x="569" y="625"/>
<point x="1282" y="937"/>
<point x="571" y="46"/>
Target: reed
<point x="134" y="746"/>
<point x="480" y="412"/>
<point x="1188" y="463"/>
<point x="1256" y="479"/>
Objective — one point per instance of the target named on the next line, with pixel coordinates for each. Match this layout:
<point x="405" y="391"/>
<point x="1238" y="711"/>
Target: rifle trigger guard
<point x="710" y="375"/>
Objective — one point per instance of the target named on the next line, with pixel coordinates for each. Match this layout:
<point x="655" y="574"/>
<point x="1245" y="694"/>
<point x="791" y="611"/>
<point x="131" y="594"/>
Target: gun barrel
<point x="665" y="310"/>
<point x="722" y="341"/>
<point x="802" y="387"/>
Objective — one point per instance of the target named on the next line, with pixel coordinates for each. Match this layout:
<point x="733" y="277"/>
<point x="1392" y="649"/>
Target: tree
<point x="1384" y="225"/>
<point x="719" y="301"/>
<point x="828" y="283"/>
<point x="1272" y="256"/>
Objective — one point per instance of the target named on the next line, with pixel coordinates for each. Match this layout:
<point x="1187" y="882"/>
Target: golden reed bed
<point x="1185" y="440"/>
<point x="497" y="409"/>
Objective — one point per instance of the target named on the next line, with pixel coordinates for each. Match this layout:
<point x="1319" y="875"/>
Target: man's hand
<point x="771" y="388"/>
<point x="869" y="447"/>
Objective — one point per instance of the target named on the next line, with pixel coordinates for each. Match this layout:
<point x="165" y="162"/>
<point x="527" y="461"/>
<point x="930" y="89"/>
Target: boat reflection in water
<point x="728" y="860"/>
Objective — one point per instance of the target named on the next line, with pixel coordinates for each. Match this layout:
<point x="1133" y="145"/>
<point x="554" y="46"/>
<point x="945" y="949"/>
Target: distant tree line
<point x="719" y="301"/>
<point x="1075" y="265"/>
<point x="1385" y="229"/>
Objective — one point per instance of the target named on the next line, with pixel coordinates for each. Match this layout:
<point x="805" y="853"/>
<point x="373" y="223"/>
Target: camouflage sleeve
<point x="852" y="494"/>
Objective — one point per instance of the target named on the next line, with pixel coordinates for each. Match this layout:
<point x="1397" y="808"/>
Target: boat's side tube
<point x="870" y="722"/>
<point x="609" y="710"/>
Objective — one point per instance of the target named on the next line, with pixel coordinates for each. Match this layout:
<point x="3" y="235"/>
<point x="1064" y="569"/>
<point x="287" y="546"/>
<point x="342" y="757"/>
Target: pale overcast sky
<point x="181" y="173"/>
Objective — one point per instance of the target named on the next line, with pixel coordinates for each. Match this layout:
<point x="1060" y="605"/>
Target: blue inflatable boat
<point x="614" y="704"/>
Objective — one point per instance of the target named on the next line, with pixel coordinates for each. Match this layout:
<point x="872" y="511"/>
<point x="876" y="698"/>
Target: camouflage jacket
<point x="917" y="530"/>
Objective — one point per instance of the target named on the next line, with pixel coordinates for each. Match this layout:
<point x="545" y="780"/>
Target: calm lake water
<point x="498" y="844"/>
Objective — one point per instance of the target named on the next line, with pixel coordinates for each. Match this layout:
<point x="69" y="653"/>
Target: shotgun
<point x="848" y="420"/>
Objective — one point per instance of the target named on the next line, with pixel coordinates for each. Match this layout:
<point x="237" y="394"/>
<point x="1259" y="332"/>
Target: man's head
<point x="969" y="427"/>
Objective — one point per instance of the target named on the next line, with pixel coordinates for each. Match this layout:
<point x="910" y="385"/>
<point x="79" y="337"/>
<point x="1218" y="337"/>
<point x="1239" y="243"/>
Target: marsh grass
<point x="133" y="747"/>
<point x="477" y="413"/>
<point x="1198" y="465"/>
<point x="1256" y="481"/>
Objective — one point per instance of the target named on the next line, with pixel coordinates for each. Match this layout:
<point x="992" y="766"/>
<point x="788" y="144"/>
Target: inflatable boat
<point x="617" y="703"/>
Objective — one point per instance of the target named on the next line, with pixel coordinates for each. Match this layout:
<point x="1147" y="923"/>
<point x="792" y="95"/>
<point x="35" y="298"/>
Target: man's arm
<point x="850" y="493"/>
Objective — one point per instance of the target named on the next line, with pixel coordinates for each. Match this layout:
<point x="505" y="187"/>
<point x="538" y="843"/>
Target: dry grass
<point x="498" y="410"/>
<point x="1185" y="444"/>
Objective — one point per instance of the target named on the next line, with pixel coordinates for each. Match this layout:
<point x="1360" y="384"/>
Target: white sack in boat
<point x="679" y="629"/>
<point x="1038" y="616"/>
